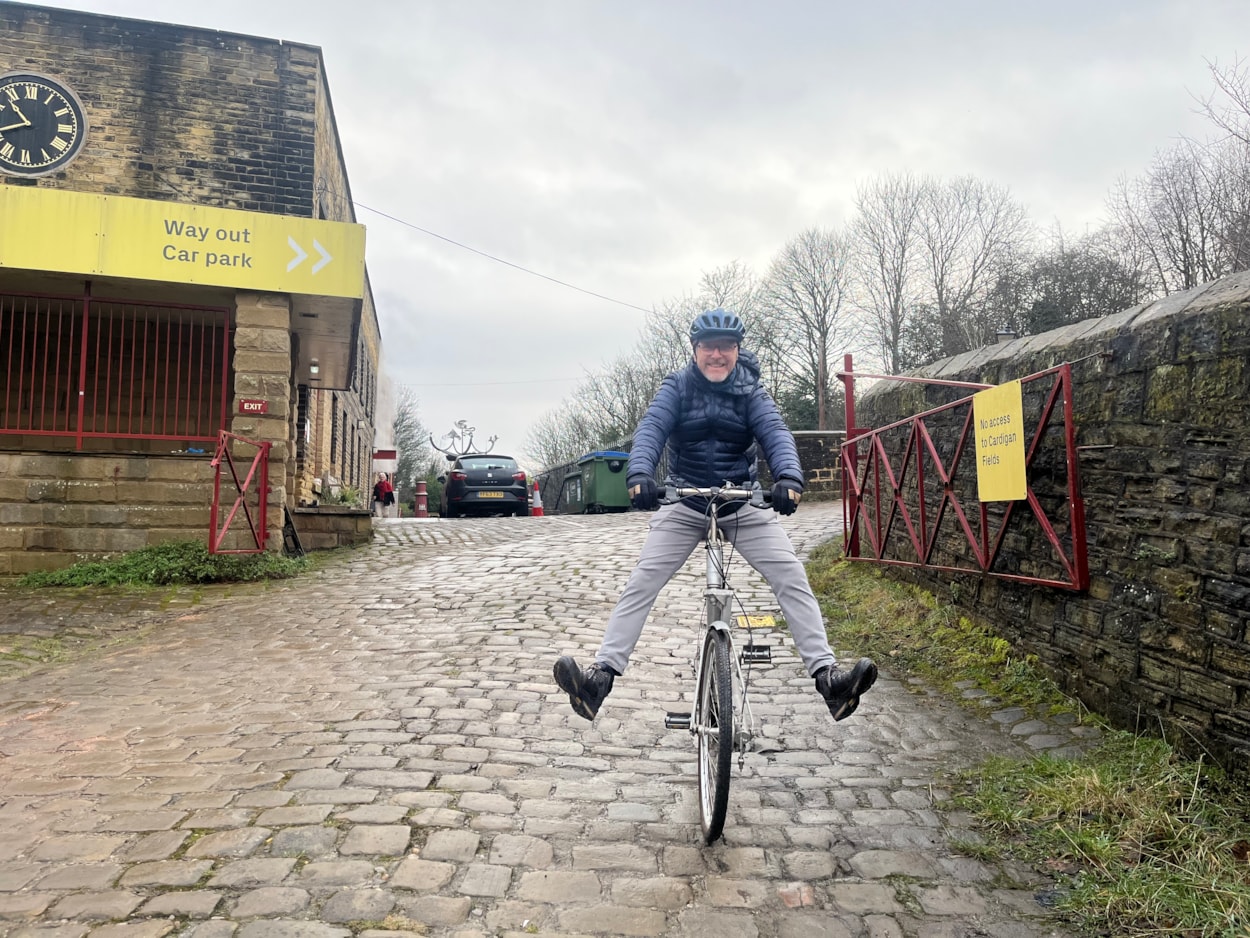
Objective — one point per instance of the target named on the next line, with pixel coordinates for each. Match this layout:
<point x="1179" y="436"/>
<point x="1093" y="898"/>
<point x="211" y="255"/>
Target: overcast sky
<point x="625" y="148"/>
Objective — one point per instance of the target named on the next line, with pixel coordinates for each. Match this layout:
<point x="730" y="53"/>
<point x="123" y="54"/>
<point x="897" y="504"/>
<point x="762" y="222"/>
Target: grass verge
<point x="172" y="564"/>
<point x="909" y="631"/>
<point x="1140" y="841"/>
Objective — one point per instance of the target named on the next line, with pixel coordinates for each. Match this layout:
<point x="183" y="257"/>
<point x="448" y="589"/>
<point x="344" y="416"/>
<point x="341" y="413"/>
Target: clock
<point x="42" y="124"/>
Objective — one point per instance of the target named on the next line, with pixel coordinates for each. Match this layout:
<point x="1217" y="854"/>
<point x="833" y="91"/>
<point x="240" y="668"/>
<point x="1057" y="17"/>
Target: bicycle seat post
<point x="719" y="598"/>
<point x="715" y="553"/>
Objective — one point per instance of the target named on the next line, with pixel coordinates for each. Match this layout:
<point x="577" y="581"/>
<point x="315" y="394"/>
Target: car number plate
<point x="490" y="494"/>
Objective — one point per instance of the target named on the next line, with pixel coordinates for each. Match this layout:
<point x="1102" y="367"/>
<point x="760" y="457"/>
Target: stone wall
<point x="329" y="527"/>
<point x="177" y="114"/>
<point x="58" y="508"/>
<point x="1161" y="397"/>
<point x="819" y="452"/>
<point x="262" y="369"/>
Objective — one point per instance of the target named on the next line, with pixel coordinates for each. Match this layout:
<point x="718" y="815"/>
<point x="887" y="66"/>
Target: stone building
<point x="179" y="257"/>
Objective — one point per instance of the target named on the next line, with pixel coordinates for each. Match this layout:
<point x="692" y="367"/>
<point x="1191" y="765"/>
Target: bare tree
<point x="806" y="289"/>
<point x="1228" y="106"/>
<point x="413" y="453"/>
<point x="562" y="435"/>
<point x="968" y="227"/>
<point x="1188" y="217"/>
<point x="733" y="287"/>
<point x="1063" y="283"/>
<point x="619" y="395"/>
<point x="1170" y="216"/>
<point x="885" y="244"/>
<point x="1230" y="190"/>
<point x="665" y="339"/>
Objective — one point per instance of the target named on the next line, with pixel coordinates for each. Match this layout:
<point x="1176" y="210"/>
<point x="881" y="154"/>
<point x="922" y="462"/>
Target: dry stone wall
<point x="1161" y="397"/>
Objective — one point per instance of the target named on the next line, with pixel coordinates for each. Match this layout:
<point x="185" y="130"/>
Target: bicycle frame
<point x="721" y="720"/>
<point x="718" y="613"/>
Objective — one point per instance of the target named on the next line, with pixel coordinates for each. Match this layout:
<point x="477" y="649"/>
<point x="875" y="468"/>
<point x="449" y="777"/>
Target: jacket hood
<point x="741" y="381"/>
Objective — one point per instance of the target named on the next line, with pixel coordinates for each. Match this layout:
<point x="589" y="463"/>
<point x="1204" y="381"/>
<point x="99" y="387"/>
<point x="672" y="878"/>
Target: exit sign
<point x="253" y="407"/>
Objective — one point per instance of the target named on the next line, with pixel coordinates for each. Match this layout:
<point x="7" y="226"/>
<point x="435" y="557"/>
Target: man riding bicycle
<point x="711" y="415"/>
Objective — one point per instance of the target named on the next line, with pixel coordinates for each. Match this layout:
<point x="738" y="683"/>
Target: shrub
<point x="173" y="563"/>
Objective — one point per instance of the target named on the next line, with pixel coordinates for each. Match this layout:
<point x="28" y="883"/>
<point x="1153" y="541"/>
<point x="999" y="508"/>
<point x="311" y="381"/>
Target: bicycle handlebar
<point x="757" y="497"/>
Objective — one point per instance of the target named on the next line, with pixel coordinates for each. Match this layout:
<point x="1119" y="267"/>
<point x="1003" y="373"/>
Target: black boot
<point x="841" y="689"/>
<point x="586" y="689"/>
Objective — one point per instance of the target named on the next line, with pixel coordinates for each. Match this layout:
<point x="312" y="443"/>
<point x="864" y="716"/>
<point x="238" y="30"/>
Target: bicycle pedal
<point x="757" y="654"/>
<point x="677" y="721"/>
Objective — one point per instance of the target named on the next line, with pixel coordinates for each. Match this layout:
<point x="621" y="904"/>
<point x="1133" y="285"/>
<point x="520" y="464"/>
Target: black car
<point x="484" y="485"/>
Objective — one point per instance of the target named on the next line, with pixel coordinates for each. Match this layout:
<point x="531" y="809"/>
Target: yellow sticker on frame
<point x="756" y="622"/>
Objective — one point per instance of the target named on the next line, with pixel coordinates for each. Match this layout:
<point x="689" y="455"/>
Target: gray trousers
<point x="759" y="537"/>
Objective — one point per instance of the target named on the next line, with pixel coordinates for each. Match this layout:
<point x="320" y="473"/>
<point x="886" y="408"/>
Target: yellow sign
<point x="112" y="236"/>
<point x="999" y="417"/>
<point x="756" y="622"/>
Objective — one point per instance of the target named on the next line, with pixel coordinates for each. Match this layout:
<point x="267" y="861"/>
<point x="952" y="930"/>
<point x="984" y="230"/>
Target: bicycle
<point x="719" y="726"/>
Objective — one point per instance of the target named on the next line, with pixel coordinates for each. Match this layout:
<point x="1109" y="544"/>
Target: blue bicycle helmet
<point x="715" y="323"/>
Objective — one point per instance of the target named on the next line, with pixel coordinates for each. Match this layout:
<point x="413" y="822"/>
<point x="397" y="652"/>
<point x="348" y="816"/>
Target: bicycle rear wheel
<point x="714" y="722"/>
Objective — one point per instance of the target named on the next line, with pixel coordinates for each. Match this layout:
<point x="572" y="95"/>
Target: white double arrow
<point x="301" y="254"/>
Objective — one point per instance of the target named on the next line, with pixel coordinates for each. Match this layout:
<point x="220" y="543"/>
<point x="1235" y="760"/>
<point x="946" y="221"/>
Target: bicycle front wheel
<point x="714" y="721"/>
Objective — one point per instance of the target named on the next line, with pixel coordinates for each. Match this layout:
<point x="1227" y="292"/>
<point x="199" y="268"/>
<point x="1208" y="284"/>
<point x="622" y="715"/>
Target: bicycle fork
<point x="719" y="614"/>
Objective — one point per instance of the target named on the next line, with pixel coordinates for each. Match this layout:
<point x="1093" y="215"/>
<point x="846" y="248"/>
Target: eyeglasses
<point x="717" y="345"/>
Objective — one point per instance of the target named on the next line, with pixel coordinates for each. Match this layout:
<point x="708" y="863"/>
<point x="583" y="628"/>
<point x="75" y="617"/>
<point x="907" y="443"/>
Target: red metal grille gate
<point x="901" y="489"/>
<point x="245" y="495"/>
<point x="82" y="368"/>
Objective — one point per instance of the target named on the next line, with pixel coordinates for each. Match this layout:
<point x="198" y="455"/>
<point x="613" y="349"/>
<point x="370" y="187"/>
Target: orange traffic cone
<point x="536" y="505"/>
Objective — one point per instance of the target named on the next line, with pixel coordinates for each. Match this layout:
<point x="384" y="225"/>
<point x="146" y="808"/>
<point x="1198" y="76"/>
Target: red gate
<point x="246" y="497"/>
<point x="905" y="489"/>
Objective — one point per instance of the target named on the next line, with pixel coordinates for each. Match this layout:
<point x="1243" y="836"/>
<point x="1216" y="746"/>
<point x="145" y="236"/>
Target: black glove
<point x="647" y="498"/>
<point x="785" y="497"/>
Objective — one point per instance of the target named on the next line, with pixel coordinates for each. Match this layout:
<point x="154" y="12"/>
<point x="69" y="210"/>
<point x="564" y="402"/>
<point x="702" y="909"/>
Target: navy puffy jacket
<point x="712" y="429"/>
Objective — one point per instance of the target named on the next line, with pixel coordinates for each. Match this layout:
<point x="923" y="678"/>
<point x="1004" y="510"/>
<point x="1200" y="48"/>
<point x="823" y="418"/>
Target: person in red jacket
<point x="383" y="495"/>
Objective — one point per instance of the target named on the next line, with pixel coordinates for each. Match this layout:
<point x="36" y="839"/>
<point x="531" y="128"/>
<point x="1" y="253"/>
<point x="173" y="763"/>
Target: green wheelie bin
<point x="603" y="481"/>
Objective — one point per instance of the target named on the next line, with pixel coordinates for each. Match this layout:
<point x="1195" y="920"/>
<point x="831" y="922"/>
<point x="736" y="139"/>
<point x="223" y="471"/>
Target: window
<point x="488" y="462"/>
<point x="303" y="428"/>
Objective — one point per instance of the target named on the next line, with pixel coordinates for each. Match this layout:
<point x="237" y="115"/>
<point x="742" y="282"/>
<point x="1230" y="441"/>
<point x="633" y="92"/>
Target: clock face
<point x="42" y="124"/>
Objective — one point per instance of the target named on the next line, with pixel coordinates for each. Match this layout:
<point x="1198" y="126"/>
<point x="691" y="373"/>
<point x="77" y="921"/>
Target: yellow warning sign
<point x="999" y="417"/>
<point x="143" y="239"/>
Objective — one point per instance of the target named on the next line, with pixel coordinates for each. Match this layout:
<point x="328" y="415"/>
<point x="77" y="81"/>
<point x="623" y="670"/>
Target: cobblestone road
<point x="381" y="749"/>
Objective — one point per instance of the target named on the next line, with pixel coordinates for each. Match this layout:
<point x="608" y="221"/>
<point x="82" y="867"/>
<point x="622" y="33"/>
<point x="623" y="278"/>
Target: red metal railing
<point x="81" y="367"/>
<point x="907" y="489"/>
<point x="246" y="497"/>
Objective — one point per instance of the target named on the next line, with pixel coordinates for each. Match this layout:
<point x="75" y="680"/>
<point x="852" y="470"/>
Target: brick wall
<point x="1161" y="398"/>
